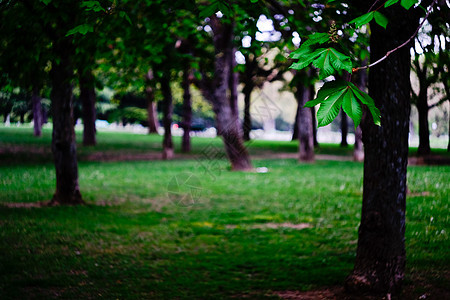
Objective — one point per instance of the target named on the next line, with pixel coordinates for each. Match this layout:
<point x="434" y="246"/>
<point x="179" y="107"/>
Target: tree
<point x="152" y="113"/>
<point x="380" y="260"/>
<point x="23" y="63"/>
<point x="429" y="68"/>
<point x="187" y="111"/>
<point x="167" y="104"/>
<point x="304" y="120"/>
<point x="58" y="22"/>
<point x="226" y="83"/>
<point x="219" y="84"/>
<point x="37" y="112"/>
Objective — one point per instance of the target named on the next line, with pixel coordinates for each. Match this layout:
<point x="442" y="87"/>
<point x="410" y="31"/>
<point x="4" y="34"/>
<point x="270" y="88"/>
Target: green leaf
<point x="326" y="59"/>
<point x="364" y="19"/>
<point x="340" y="61"/>
<point x="46" y="2"/>
<point x="326" y="90"/>
<point x="367" y="100"/>
<point x="324" y="64"/>
<point x="339" y="93"/>
<point x="253" y="1"/>
<point x="352" y="107"/>
<point x="316" y="38"/>
<point x="82" y="29"/>
<point x="301" y="52"/>
<point x="408" y="3"/>
<point x="329" y="109"/>
<point x="306" y="59"/>
<point x="390" y="2"/>
<point x="381" y="19"/>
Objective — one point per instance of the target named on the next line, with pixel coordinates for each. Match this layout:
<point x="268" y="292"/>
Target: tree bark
<point x="152" y="113"/>
<point x="37" y="112"/>
<point x="226" y="107"/>
<point x="167" y="116"/>
<point x="63" y="136"/>
<point x="247" y="125"/>
<point x="422" y="108"/>
<point x="380" y="257"/>
<point x="313" y="119"/>
<point x="87" y="97"/>
<point x="295" y="128"/>
<point x="187" y="113"/>
<point x="344" y="129"/>
<point x="304" y="121"/>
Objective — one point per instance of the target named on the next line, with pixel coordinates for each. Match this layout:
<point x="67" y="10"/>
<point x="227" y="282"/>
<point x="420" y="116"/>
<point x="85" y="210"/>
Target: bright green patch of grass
<point x="133" y="241"/>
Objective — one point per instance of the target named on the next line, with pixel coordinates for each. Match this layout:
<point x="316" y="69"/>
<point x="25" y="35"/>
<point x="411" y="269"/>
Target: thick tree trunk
<point x="247" y="125"/>
<point x="187" y="113"/>
<point x="344" y="129"/>
<point x="87" y="97"/>
<point x="63" y="137"/>
<point x="226" y="107"/>
<point x="424" y="131"/>
<point x="167" y="116"/>
<point x="380" y="257"/>
<point x="37" y="112"/>
<point x="304" y="121"/>
<point x="152" y="114"/>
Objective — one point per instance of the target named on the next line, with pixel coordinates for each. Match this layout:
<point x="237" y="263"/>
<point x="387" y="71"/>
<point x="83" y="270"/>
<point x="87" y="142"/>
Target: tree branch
<point x="402" y="45"/>
<point x="443" y="99"/>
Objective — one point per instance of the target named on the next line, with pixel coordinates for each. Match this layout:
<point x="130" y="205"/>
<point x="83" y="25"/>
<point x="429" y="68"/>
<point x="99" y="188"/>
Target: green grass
<point x="133" y="241"/>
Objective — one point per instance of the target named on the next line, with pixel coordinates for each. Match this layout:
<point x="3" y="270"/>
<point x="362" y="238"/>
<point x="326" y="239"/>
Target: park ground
<point x="191" y="229"/>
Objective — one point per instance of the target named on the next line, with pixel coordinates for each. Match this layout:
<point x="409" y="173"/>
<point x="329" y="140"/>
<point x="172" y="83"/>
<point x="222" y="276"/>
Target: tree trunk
<point x="167" y="116"/>
<point x="380" y="257"/>
<point x="37" y="112"/>
<point x="422" y="108"/>
<point x="247" y="126"/>
<point x="226" y="107"/>
<point x="87" y="97"/>
<point x="187" y="113"/>
<point x="344" y="129"/>
<point x="295" y="128"/>
<point x="313" y="120"/>
<point x="63" y="137"/>
<point x="304" y="121"/>
<point x="152" y="113"/>
<point x="358" y="151"/>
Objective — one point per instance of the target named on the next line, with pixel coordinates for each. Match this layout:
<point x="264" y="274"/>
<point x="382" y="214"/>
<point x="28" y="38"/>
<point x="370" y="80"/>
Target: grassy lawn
<point x="241" y="234"/>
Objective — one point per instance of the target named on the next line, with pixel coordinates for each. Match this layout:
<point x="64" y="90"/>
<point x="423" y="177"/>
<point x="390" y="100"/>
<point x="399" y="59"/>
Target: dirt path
<point x="41" y="152"/>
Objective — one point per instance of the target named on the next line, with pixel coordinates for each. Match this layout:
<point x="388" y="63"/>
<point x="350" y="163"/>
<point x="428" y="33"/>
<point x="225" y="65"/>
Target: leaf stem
<point x="402" y="45"/>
